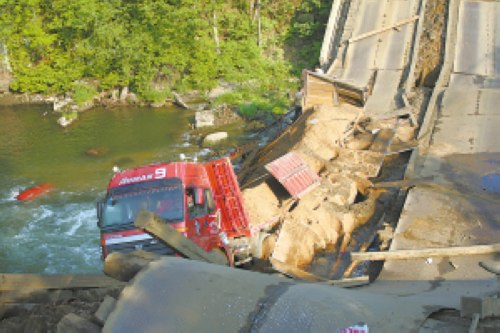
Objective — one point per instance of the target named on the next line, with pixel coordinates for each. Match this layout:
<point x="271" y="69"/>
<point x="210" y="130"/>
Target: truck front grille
<point x="149" y="245"/>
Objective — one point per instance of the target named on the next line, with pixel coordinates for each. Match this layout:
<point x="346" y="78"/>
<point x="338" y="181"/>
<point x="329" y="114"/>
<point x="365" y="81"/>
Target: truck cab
<point x="201" y="201"/>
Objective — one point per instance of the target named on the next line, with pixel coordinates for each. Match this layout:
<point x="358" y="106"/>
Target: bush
<point x="156" y="95"/>
<point x="83" y="92"/>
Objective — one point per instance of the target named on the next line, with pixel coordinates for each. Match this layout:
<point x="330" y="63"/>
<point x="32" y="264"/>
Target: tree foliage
<point x="151" y="46"/>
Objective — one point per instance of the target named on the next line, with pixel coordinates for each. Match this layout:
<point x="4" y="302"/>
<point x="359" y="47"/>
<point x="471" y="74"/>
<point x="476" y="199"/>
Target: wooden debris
<point x="300" y="274"/>
<point x="294" y="271"/>
<point x="404" y="183"/>
<point x="426" y="253"/>
<point x="157" y="226"/>
<point x="384" y="29"/>
<point x="58" y="281"/>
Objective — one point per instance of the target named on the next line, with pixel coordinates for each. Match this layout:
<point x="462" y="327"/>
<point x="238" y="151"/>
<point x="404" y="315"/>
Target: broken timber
<point x="405" y="183"/>
<point x="9" y="282"/>
<point x="378" y="31"/>
<point x="158" y="227"/>
<point x="426" y="253"/>
<point x="300" y="274"/>
<point x="320" y="89"/>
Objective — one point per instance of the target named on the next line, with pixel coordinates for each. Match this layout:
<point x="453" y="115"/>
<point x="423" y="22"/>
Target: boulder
<point x="215" y="138"/>
<point x="106" y="307"/>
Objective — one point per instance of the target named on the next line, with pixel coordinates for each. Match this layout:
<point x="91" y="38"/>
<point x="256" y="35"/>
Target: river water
<point x="57" y="232"/>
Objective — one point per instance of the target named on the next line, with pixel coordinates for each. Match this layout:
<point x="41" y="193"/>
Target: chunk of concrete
<point x="107" y="305"/>
<point x="204" y="119"/>
<point x="485" y="306"/>
<point x="72" y="323"/>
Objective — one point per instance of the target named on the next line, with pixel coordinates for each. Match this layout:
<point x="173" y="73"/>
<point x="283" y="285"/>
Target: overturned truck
<point x="201" y="201"/>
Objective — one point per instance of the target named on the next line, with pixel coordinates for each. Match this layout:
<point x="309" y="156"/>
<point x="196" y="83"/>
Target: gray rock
<point x="72" y="323"/>
<point x="107" y="305"/>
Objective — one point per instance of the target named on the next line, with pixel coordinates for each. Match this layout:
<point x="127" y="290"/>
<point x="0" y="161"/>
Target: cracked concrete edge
<point x="331" y="32"/>
<point x="425" y="132"/>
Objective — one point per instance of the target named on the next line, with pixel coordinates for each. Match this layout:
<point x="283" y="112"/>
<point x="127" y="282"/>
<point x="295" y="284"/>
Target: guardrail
<point x="332" y="32"/>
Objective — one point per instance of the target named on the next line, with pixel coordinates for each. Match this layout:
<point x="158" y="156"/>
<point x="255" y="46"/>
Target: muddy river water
<point x="57" y="233"/>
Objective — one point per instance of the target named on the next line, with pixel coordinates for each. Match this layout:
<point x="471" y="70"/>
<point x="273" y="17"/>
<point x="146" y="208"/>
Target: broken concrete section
<point x="236" y="300"/>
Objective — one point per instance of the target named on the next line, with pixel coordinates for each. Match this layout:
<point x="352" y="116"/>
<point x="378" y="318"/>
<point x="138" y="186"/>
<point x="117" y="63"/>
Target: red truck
<point x="200" y="200"/>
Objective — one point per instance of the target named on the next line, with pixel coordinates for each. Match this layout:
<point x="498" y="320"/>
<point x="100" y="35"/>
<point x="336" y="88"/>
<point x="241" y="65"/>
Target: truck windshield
<point x="163" y="197"/>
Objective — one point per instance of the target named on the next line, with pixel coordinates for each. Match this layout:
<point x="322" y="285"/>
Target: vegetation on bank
<point x="153" y="47"/>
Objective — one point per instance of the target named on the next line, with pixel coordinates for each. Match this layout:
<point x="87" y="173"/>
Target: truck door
<point x="199" y="219"/>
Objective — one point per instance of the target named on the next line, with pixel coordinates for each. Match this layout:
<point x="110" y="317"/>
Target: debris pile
<point x="346" y="149"/>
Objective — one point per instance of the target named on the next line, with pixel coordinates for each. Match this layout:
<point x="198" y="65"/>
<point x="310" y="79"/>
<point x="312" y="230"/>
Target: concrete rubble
<point x="325" y="218"/>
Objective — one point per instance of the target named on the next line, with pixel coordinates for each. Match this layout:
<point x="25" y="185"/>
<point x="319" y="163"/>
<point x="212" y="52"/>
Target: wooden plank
<point x="378" y="31"/>
<point x="298" y="273"/>
<point x="57" y="281"/>
<point x="166" y="233"/>
<point x="426" y="253"/>
<point x="405" y="183"/>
